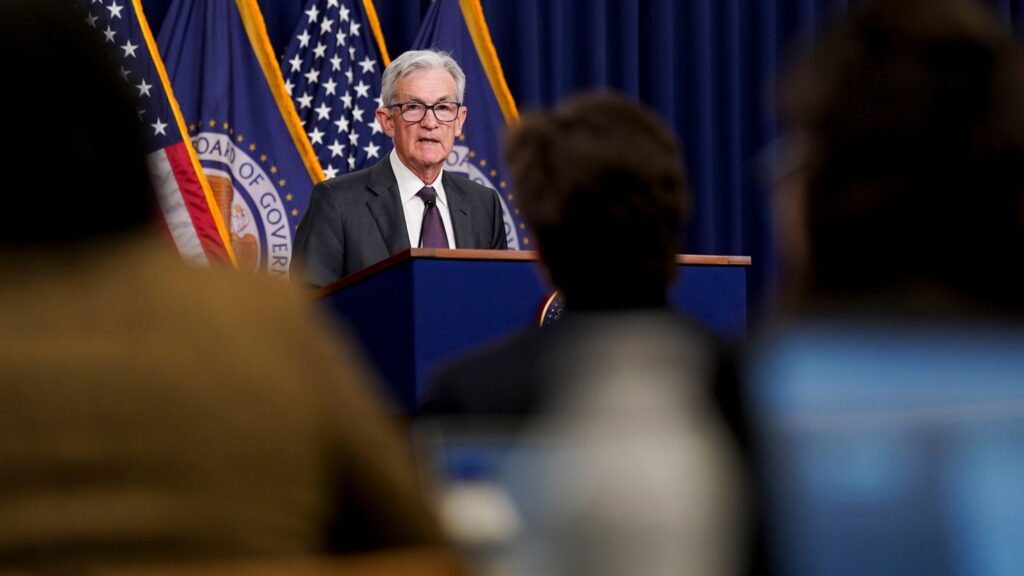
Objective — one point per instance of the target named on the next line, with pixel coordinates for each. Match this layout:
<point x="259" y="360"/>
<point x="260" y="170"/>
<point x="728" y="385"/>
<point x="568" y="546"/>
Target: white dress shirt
<point x="408" y="185"/>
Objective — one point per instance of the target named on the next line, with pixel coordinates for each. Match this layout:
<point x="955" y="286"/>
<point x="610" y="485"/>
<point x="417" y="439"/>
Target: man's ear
<point x="385" y="121"/>
<point x="460" y="120"/>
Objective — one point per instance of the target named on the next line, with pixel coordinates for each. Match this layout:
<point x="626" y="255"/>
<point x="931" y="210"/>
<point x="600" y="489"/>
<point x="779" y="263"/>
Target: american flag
<point x="333" y="71"/>
<point x="184" y="195"/>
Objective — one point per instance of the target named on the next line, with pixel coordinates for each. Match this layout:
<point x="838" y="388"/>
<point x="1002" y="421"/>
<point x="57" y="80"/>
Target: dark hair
<point x="76" y="166"/>
<point x="601" y="184"/>
<point x="914" y="124"/>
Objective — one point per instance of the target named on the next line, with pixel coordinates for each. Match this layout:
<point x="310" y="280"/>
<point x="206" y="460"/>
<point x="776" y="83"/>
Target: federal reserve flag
<point x="243" y="126"/>
<point x="184" y="195"/>
<point x="333" y="69"/>
<point x="458" y="27"/>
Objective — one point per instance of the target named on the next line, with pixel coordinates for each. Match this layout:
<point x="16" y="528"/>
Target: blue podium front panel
<point x="462" y="304"/>
<point x="379" y="312"/>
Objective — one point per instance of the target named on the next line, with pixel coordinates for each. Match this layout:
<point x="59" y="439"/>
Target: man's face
<point x="423" y="146"/>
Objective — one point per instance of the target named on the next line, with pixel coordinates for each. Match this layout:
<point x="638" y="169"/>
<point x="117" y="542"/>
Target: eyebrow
<point x="421" y="101"/>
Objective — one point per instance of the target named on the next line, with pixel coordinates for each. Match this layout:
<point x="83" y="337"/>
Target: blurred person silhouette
<point x="151" y="412"/>
<point x="885" y="400"/>
<point x="601" y="184"/>
<point x="907" y="196"/>
<point x="638" y="471"/>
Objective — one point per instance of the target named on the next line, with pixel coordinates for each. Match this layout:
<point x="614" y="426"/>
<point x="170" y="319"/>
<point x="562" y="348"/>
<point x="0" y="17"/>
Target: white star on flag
<point x="129" y="49"/>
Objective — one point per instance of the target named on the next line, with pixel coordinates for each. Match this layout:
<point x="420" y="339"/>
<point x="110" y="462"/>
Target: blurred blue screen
<point x="892" y="450"/>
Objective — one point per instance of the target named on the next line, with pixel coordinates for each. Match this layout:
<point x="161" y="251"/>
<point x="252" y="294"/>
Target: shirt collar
<point x="409" y="184"/>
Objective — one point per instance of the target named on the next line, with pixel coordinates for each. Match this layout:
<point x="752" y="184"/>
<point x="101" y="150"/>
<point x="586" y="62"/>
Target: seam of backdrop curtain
<point x="250" y="143"/>
<point x="185" y="199"/>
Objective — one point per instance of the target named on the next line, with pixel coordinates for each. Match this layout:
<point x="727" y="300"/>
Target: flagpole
<point x="473" y="13"/>
<point x="371" y="15"/>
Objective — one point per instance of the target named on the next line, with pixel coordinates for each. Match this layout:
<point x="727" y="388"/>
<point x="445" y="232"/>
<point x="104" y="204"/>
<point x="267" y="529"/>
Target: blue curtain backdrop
<point x="707" y="66"/>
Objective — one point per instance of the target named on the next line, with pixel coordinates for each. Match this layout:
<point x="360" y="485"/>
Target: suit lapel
<point x="458" y="208"/>
<point x="386" y="208"/>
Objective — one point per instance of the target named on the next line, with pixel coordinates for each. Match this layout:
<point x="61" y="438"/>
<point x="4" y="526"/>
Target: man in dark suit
<point x="406" y="199"/>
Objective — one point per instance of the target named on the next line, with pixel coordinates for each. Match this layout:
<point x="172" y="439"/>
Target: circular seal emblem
<point x="249" y="203"/>
<point x="460" y="162"/>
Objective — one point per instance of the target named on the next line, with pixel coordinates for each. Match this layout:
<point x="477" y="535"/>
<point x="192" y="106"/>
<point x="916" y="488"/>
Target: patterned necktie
<point x="432" y="233"/>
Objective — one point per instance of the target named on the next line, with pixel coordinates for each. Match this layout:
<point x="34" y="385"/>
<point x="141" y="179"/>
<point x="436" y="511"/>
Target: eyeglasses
<point x="415" y="111"/>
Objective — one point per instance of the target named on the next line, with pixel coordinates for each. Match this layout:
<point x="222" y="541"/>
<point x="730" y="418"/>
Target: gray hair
<point x="416" y="61"/>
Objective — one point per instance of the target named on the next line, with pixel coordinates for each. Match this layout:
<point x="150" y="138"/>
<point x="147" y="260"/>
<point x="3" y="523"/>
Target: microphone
<point x="430" y="203"/>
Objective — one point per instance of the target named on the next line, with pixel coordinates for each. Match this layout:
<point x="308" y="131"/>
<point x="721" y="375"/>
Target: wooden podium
<point x="423" y="306"/>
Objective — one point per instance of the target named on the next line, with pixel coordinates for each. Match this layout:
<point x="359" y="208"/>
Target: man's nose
<point x="429" y="119"/>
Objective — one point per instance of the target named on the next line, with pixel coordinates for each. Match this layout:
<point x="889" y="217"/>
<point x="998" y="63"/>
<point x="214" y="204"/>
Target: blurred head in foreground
<point x="76" y="167"/>
<point x="152" y="412"/>
<point x="908" y="198"/>
<point x="601" y="183"/>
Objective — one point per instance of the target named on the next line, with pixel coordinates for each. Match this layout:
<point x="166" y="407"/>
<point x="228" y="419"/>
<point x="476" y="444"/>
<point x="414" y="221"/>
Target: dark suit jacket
<point x="357" y="219"/>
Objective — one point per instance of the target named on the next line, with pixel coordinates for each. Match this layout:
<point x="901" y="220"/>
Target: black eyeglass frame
<point x="430" y="107"/>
